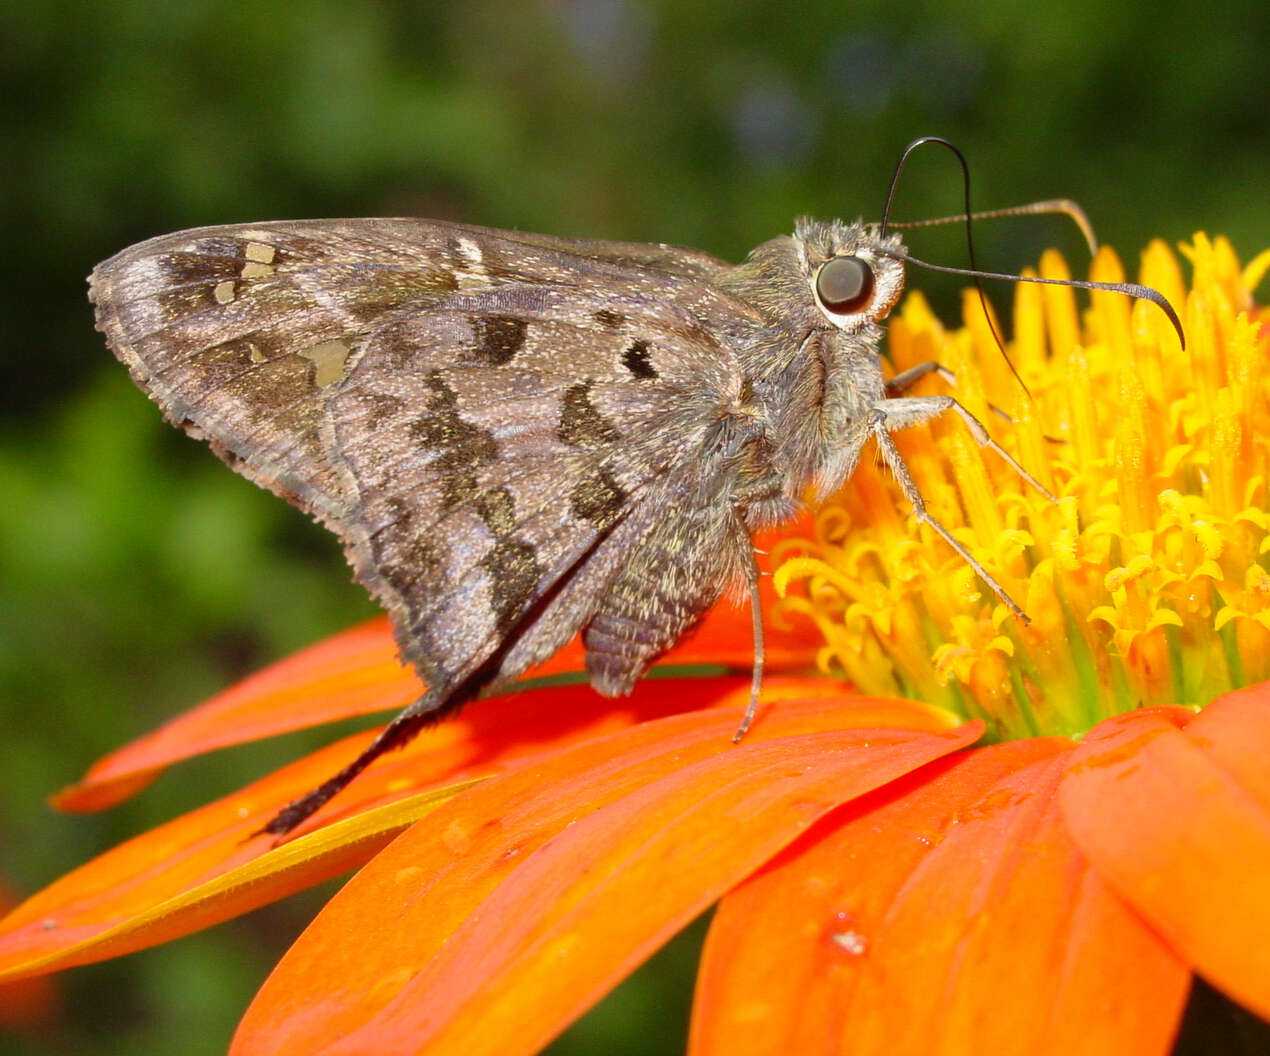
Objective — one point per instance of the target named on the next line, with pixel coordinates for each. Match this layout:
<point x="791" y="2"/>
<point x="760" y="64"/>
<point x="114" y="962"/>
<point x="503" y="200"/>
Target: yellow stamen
<point x="1148" y="582"/>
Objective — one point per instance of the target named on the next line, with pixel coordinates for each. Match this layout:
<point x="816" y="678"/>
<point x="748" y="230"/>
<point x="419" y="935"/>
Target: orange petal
<point x="204" y="884"/>
<point x="947" y="913"/>
<point x="26" y="1004"/>
<point x="1157" y="802"/>
<point x="517" y="906"/>
<point x="203" y="867"/>
<point x="357" y="672"/>
<point x="351" y="673"/>
<point x="1235" y="731"/>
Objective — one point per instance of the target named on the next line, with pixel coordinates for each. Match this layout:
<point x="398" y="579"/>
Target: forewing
<point x="482" y="416"/>
<point x="241" y="333"/>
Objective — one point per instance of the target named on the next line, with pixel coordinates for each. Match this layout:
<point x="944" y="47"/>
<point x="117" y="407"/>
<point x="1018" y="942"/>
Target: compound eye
<point x="844" y="285"/>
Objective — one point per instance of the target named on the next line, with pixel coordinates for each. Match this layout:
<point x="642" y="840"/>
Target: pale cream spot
<point x="471" y="252"/>
<point x="223" y="291"/>
<point x="470" y="269"/>
<point x="328" y="358"/>
<point x="255" y="270"/>
<point x="259" y="252"/>
<point x="254" y="352"/>
<point x="472" y="280"/>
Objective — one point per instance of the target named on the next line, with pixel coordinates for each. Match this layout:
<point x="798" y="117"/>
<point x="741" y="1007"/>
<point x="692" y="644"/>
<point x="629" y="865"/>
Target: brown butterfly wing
<point x="493" y="423"/>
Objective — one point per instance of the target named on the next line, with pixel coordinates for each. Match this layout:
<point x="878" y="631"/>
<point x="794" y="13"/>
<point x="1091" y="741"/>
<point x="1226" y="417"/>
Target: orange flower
<point x="28" y="1005"/>
<point x="882" y="885"/>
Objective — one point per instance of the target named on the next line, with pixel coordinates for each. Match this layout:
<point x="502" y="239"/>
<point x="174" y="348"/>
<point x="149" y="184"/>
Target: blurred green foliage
<point x="139" y="575"/>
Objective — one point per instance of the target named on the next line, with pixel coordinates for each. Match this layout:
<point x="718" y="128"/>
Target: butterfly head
<point x="855" y="276"/>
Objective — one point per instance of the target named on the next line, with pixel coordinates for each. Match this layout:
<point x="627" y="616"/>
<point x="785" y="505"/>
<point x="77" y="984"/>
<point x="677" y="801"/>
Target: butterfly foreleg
<point x="893" y="414"/>
<point x="906" y="379"/>
<point x="916" y="410"/>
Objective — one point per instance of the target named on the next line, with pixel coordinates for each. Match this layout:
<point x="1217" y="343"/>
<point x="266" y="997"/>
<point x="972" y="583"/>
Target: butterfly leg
<point x="756" y="679"/>
<point x="915" y="410"/>
<point x="891" y="455"/>
<point x="901" y="413"/>
<point x="906" y="379"/>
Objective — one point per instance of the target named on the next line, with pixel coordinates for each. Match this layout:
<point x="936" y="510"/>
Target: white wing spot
<point x="471" y="273"/>
<point x="223" y="291"/>
<point x="149" y="271"/>
<point x="471" y="252"/>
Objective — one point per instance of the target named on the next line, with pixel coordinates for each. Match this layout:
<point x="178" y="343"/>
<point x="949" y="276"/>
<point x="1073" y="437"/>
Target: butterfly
<point x="519" y="437"/>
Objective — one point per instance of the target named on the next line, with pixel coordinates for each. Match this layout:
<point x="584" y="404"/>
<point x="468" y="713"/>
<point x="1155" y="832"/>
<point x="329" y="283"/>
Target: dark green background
<point x="139" y="574"/>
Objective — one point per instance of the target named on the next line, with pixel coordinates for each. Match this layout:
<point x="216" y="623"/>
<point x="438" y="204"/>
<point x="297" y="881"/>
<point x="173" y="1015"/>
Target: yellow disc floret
<point x="1146" y="583"/>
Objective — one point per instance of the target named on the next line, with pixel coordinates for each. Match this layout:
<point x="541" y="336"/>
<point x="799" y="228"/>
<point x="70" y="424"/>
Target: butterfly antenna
<point x="969" y="217"/>
<point x="1129" y="289"/>
<point x="1050" y="207"/>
